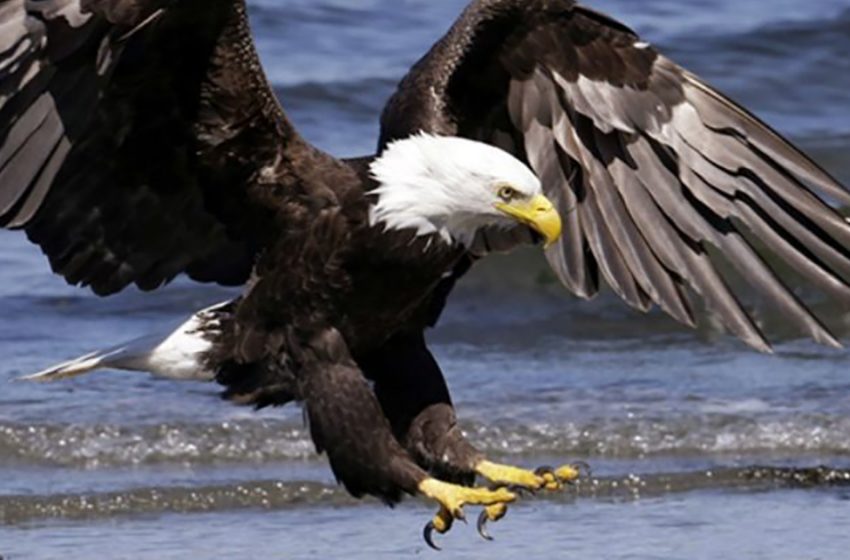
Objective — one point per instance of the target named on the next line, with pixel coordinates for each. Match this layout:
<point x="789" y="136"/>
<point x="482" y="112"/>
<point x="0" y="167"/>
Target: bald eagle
<point x="140" y="140"/>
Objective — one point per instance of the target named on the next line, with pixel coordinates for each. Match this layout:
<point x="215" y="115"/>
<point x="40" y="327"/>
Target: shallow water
<point x="121" y="466"/>
<point x="705" y="525"/>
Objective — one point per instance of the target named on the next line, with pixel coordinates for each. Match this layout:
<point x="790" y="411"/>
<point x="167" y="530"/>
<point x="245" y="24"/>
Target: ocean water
<point x="700" y="448"/>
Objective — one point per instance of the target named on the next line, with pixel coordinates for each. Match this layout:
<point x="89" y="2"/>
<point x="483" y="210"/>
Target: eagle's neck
<point x="399" y="208"/>
<point x="421" y="188"/>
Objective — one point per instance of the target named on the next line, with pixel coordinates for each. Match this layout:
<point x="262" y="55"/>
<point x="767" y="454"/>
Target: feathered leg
<point x="347" y="423"/>
<point x="415" y="399"/>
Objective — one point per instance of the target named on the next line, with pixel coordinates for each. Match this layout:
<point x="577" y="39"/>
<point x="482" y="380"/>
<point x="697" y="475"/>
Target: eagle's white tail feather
<point x="74" y="368"/>
<point x="177" y="354"/>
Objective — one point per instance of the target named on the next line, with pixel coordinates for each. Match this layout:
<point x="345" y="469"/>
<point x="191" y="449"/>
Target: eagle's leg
<point x="415" y="399"/>
<point x="347" y="423"/>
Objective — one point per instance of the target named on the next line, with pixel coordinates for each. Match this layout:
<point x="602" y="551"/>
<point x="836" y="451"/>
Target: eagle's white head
<point x="454" y="187"/>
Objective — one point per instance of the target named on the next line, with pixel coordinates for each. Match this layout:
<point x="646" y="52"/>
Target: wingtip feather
<point x="67" y="370"/>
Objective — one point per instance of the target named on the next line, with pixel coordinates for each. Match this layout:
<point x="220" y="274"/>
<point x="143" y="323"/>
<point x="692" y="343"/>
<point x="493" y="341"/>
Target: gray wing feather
<point x="129" y="131"/>
<point x="711" y="169"/>
<point x="661" y="180"/>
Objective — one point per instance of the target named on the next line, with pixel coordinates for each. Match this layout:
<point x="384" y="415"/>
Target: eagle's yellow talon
<point x="570" y="473"/>
<point x="551" y="481"/>
<point x="553" y="486"/>
<point x="452" y="498"/>
<point x="506" y="475"/>
<point x="496" y="511"/>
<point x="490" y="513"/>
<point x="544" y="478"/>
<point x="442" y="522"/>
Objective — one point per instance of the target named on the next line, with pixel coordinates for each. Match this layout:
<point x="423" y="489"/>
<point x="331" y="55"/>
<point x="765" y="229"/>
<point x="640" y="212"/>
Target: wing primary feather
<point x="665" y="266"/>
<point x="610" y="260"/>
<point x="618" y="220"/>
<point x="569" y="256"/>
<point x="752" y="267"/>
<point x="664" y="204"/>
<point x="747" y="198"/>
<point x="719" y="112"/>
<point x="42" y="131"/>
<point x="720" y="299"/>
<point x="640" y="260"/>
<point x="695" y="143"/>
<point x="803" y="264"/>
<point x="660" y="185"/>
<point x="759" y="274"/>
<point x="608" y="256"/>
<point x="26" y="211"/>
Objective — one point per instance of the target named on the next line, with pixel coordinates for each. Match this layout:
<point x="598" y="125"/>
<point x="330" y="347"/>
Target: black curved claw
<point x="540" y="471"/>
<point x="522" y="491"/>
<point x="428" y="535"/>
<point x="584" y="469"/>
<point x="482" y="526"/>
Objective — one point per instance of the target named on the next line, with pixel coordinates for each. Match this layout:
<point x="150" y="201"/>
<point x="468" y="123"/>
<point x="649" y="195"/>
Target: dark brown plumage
<point x="139" y="139"/>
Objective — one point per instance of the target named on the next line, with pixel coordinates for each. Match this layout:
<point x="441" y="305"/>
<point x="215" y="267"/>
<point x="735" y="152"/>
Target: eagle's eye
<point x="508" y="193"/>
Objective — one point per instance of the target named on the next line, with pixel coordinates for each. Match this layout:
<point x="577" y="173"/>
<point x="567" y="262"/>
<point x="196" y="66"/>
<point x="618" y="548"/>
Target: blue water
<point x="121" y="466"/>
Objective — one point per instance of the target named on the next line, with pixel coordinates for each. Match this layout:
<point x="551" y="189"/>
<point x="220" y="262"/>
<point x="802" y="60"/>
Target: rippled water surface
<point x="121" y="466"/>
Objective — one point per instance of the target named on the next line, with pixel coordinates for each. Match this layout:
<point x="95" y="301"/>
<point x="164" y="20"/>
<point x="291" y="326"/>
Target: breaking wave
<point x="253" y="442"/>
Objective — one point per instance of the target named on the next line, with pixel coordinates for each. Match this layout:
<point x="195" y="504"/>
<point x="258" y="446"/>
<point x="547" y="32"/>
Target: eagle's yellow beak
<point x="538" y="213"/>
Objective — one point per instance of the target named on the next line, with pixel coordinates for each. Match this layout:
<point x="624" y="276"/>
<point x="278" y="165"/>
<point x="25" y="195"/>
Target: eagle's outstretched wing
<point x="129" y="133"/>
<point x="658" y="176"/>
